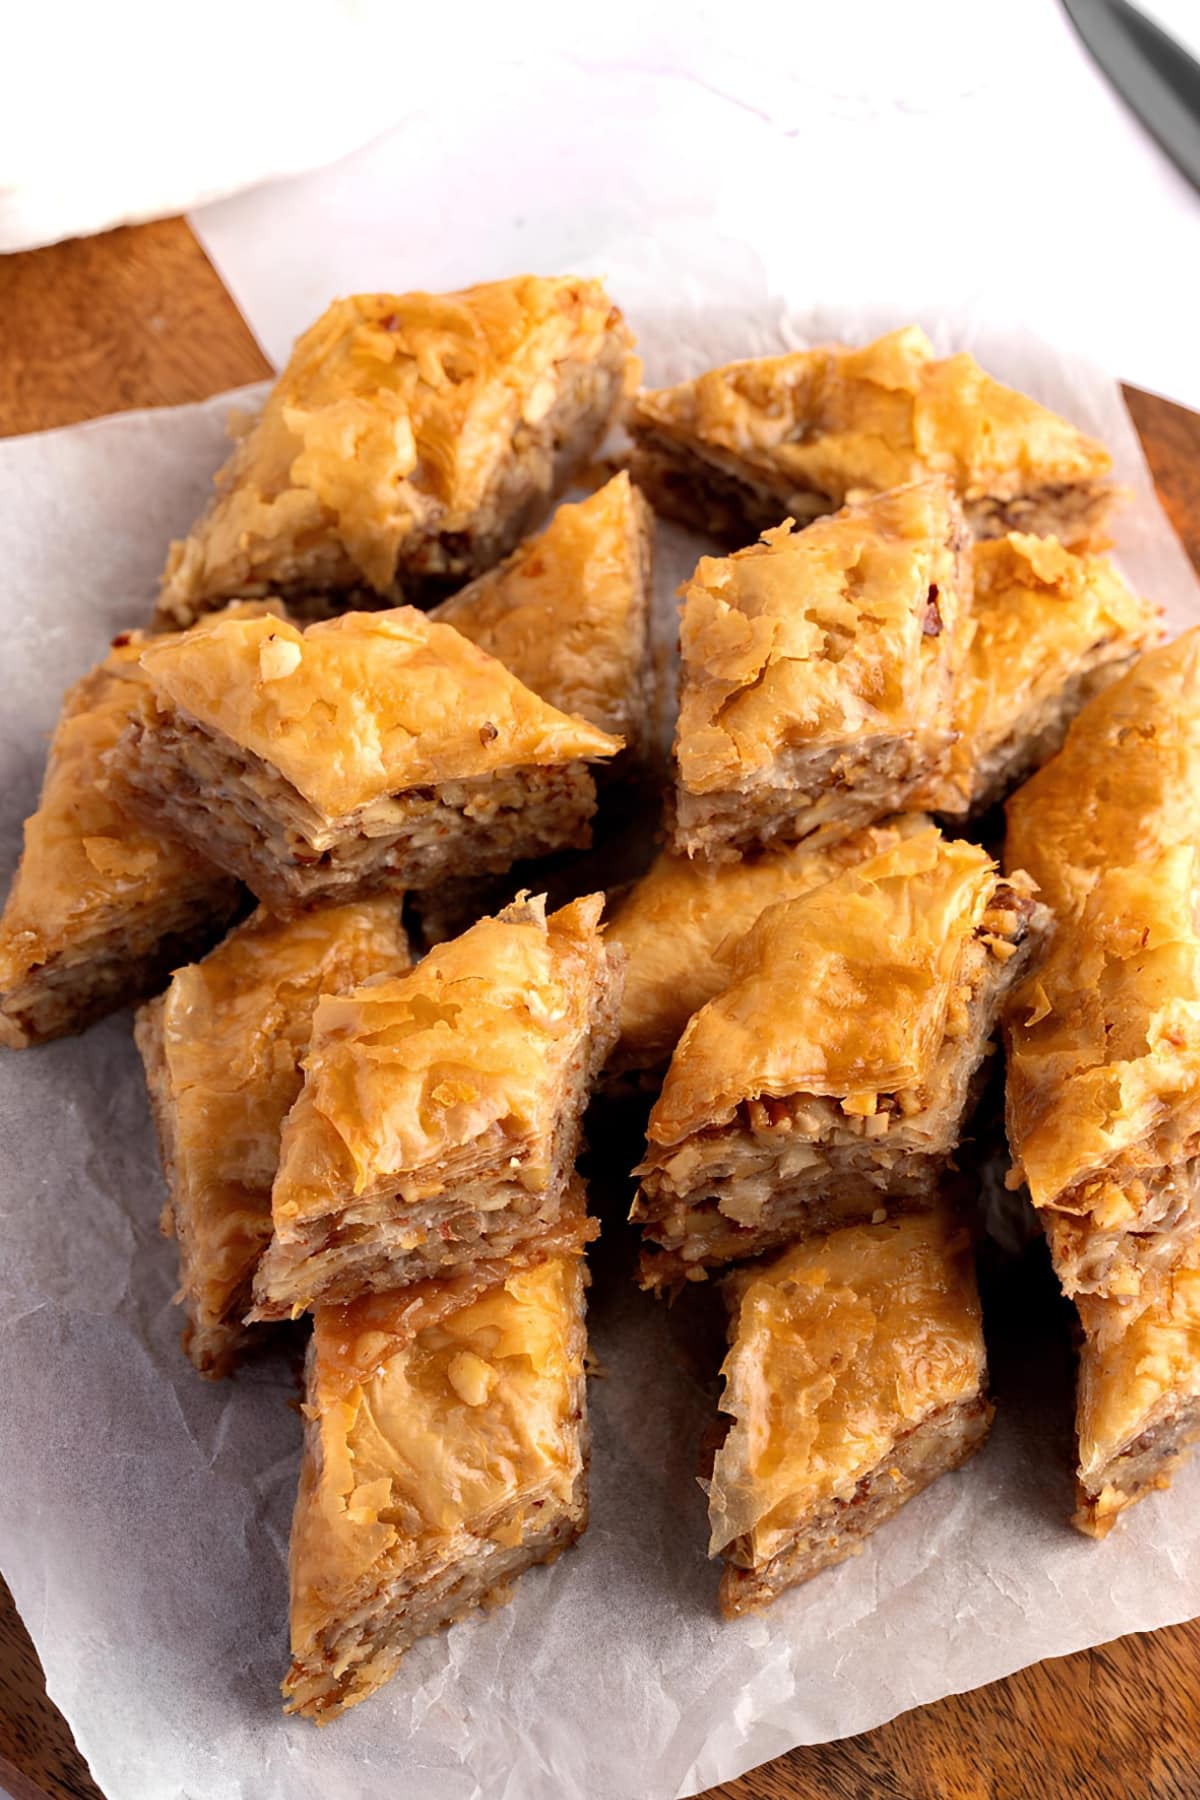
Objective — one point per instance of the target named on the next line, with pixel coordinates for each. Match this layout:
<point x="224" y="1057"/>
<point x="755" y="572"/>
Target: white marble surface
<point x="910" y="155"/>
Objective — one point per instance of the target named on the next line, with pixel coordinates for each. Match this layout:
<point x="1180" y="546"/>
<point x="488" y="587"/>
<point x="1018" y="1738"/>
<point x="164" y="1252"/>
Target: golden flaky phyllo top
<point x="838" y="1348"/>
<point x="847" y="421"/>
<point x="673" y="923"/>
<point x="470" y="1051"/>
<point x="1133" y="1379"/>
<point x="359" y="1334"/>
<point x="838" y="633"/>
<point x="233" y="1030"/>
<point x="445" y="1432"/>
<point x="364" y="705"/>
<point x="567" y="613"/>
<point x="848" y="990"/>
<point x="1125" y="785"/>
<point x="1040" y="612"/>
<point x="83" y="853"/>
<point x="396" y="414"/>
<point x="235" y="1024"/>
<point x="1104" y="1039"/>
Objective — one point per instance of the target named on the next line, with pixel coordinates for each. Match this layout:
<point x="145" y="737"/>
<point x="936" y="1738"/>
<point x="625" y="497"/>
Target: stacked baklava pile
<point x="368" y="695"/>
<point x="384" y="1144"/>
<point x="1104" y="1066"/>
<point x="817" y="1100"/>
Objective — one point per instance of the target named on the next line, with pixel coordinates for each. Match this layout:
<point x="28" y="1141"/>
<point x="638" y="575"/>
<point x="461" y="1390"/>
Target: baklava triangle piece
<point x="410" y="442"/>
<point x="829" y="1082"/>
<point x="440" y="1114"/>
<point x="569" y="611"/>
<point x="222" y="1050"/>
<point x="1139" y="1394"/>
<point x="672" y="924"/>
<point x="818" y="672"/>
<point x="1103" y="1083"/>
<point x="741" y="447"/>
<point x="856" y="1375"/>
<point x="442" y="1459"/>
<point x="1052" y="630"/>
<point x="373" y="750"/>
<point x="102" y="906"/>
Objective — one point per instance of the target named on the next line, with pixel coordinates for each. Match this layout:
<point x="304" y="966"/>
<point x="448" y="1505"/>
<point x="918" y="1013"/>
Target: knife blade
<point x="1153" y="74"/>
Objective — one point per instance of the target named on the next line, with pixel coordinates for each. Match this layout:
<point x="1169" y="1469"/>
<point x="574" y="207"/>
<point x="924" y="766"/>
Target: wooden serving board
<point x="139" y="318"/>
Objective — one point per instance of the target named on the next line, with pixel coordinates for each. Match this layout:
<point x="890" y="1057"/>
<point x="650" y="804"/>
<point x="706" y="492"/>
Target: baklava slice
<point x="102" y="906"/>
<point x="408" y="445"/>
<point x="741" y="447"/>
<point x="439" y="1464"/>
<point x="369" y="751"/>
<point x="222" y="1049"/>
<point x="818" y="674"/>
<point x="1052" y="629"/>
<point x="856" y="1375"/>
<point x="1139" y="1395"/>
<point x="1103" y="1085"/>
<point x="678" y="924"/>
<point x="440" y="1114"/>
<point x="569" y="611"/>
<point x="829" y="1083"/>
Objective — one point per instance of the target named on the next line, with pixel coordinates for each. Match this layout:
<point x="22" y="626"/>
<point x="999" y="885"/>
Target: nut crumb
<point x="277" y="657"/>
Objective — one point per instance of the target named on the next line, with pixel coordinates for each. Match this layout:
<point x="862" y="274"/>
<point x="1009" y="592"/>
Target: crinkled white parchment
<point x="144" y="1512"/>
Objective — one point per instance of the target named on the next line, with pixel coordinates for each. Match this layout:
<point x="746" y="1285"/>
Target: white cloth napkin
<point x="135" y="109"/>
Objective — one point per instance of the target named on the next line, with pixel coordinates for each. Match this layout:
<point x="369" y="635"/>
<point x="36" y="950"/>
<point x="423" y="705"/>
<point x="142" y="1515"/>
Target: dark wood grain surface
<point x="139" y="318"/>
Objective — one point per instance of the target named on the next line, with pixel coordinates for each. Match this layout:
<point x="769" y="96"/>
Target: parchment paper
<point x="144" y="1512"/>
<point x="930" y="151"/>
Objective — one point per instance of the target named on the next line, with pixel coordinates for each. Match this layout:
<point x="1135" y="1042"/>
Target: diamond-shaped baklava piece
<point x="1139" y="1394"/>
<point x="856" y="1375"/>
<point x="444" y="1456"/>
<point x="1104" y="1039"/>
<point x="440" y="1114"/>
<point x="829" y="1082"/>
<point x="743" y="446"/>
<point x="373" y="750"/>
<point x="102" y="906"/>
<point x="222" y="1050"/>
<point x="410" y="442"/>
<point x="568" y="612"/>
<point x="677" y="927"/>
<point x="818" y="672"/>
<point x="1052" y="630"/>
